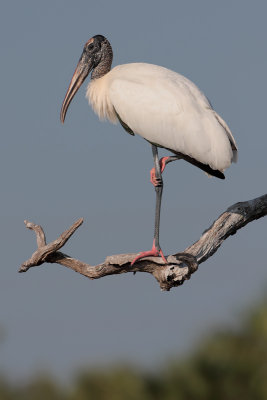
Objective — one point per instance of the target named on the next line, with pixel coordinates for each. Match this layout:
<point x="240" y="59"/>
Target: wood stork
<point x="162" y="106"/>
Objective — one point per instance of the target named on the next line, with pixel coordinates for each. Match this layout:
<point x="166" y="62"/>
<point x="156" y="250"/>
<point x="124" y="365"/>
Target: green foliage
<point x="114" y="384"/>
<point x="229" y="365"/>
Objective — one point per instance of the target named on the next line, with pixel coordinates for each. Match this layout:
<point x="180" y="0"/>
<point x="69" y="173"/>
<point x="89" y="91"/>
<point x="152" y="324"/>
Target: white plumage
<point x="166" y="109"/>
<point x="163" y="107"/>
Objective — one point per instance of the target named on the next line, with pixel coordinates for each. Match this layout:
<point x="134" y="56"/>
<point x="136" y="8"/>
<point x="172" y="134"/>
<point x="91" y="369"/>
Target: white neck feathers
<point x="97" y="95"/>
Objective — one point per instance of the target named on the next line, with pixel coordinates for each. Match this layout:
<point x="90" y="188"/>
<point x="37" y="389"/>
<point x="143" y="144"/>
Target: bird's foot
<point x="154" y="252"/>
<point x="153" y="178"/>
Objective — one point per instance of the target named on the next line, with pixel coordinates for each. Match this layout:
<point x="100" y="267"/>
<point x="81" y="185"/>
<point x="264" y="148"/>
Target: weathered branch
<point x="180" y="265"/>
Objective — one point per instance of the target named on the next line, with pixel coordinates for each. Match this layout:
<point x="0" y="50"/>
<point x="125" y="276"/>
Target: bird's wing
<point x="169" y="110"/>
<point x="229" y="134"/>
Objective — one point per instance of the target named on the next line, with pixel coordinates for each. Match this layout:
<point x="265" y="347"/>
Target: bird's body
<point x="162" y="106"/>
<point x="166" y="109"/>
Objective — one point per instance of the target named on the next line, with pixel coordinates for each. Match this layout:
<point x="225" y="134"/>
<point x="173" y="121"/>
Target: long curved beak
<point x="82" y="70"/>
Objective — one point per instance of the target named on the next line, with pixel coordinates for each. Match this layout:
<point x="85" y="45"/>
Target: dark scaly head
<point x="96" y="57"/>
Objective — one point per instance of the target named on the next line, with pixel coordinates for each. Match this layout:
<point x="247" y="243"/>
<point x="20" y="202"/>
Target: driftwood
<point x="180" y="266"/>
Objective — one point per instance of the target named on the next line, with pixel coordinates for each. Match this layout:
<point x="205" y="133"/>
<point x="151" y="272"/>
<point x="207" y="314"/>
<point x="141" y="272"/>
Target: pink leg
<point x="162" y="163"/>
<point x="154" y="252"/>
<point x="157" y="182"/>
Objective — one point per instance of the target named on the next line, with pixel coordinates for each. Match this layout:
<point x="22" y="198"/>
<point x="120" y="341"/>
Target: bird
<point x="164" y="107"/>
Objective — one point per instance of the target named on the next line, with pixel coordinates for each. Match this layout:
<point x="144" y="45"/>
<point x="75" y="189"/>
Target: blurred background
<point x="56" y="321"/>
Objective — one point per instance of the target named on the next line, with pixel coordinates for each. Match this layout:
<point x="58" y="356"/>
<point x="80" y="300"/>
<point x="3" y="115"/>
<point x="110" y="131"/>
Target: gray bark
<point x="180" y="266"/>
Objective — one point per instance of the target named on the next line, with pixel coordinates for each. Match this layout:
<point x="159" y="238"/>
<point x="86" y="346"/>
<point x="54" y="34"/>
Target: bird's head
<point x="96" y="56"/>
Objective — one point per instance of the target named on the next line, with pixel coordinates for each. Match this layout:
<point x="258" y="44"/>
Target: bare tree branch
<point x="180" y="266"/>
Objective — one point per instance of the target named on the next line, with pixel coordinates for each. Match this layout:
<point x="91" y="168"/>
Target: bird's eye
<point x="90" y="46"/>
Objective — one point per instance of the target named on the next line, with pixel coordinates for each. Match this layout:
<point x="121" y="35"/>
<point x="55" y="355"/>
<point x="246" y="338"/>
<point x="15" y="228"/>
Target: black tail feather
<point x="204" y="167"/>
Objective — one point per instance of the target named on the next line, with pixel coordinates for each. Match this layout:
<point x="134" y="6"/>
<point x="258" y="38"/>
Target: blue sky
<point x="53" y="174"/>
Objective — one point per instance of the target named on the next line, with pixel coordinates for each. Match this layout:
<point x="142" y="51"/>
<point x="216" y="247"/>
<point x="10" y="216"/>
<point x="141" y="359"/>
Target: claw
<point x="153" y="178"/>
<point x="154" y="252"/>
